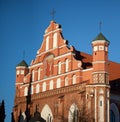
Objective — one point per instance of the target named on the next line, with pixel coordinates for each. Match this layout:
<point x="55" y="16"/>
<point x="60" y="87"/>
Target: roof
<point x="100" y="36"/>
<point x="22" y="63"/>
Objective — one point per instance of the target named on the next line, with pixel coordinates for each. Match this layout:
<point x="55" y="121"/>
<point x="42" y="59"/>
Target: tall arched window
<point x="58" y="83"/>
<point x="66" y="81"/>
<point x="47" y="43"/>
<point x="101" y="109"/>
<point x="59" y="67"/>
<point x="73" y="113"/>
<point x="51" y="84"/>
<point x="33" y="75"/>
<point x="67" y="65"/>
<point x="46" y="113"/>
<point x="37" y="88"/>
<point x="39" y="74"/>
<point x="44" y="86"/>
<point x="74" y="79"/>
<point x="26" y="91"/>
<point x="55" y="40"/>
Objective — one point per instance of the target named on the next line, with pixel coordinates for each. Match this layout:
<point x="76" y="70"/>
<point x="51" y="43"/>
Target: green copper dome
<point x="100" y="36"/>
<point x="22" y="63"/>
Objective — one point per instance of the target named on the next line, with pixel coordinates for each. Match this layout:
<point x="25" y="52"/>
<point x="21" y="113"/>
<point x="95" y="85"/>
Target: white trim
<point x="57" y="76"/>
<point x="99" y="41"/>
<point x="52" y="32"/>
<point x="103" y="85"/>
<point x="34" y="65"/>
<point x="61" y="56"/>
<point x="18" y="83"/>
<point x="50" y="50"/>
<point x="51" y="78"/>
<point x="84" y="70"/>
<point x="21" y="67"/>
<point x="41" y="63"/>
<point x="95" y="106"/>
<point x="100" y="72"/>
<point x="95" y="62"/>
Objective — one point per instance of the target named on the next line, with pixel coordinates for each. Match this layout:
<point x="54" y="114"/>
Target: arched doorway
<point x="114" y="113"/>
<point x="47" y="114"/>
<point x="73" y="113"/>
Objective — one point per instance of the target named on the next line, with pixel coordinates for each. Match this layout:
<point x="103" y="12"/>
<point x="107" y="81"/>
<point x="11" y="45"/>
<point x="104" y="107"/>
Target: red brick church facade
<point x="65" y="85"/>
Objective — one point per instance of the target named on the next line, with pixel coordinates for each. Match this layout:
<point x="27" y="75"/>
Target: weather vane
<point x="53" y="14"/>
<point x="100" y="24"/>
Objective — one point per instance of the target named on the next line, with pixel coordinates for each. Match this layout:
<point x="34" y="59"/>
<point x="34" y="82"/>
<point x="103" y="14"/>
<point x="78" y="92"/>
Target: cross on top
<point x="100" y="24"/>
<point x="53" y="13"/>
<point x="23" y="54"/>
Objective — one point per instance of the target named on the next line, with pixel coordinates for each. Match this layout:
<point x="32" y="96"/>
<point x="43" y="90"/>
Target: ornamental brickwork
<point x="63" y="84"/>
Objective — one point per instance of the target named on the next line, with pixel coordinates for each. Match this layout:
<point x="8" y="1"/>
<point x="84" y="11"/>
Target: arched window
<point x="66" y="81"/>
<point x="46" y="113"/>
<point x="44" y="86"/>
<point x="32" y="89"/>
<point x="74" y="79"/>
<point x="55" y="40"/>
<point x="47" y="43"/>
<point x="101" y="108"/>
<point x="26" y="91"/>
<point x="33" y="75"/>
<point x="67" y="65"/>
<point x="39" y="74"/>
<point x="51" y="84"/>
<point x="73" y="113"/>
<point x="58" y="83"/>
<point x="37" y="88"/>
<point x="59" y="67"/>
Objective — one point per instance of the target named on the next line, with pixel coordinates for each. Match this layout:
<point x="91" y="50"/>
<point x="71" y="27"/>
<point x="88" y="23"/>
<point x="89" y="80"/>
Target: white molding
<point x="41" y="63"/>
<point x="85" y="70"/>
<point x="34" y="65"/>
<point x="99" y="41"/>
<point x="20" y="67"/>
<point x="97" y="85"/>
<point x="46" y="34"/>
<point x="100" y="72"/>
<point x="51" y="78"/>
<point x="18" y="83"/>
<point x="100" y="61"/>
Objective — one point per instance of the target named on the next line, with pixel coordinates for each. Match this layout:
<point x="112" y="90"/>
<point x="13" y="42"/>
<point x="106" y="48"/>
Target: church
<point x="63" y="84"/>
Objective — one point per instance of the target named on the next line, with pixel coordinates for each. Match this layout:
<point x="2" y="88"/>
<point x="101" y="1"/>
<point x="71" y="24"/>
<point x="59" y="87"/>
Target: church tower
<point x="99" y="86"/>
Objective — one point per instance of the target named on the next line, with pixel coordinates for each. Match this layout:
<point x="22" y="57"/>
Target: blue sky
<point x="23" y="22"/>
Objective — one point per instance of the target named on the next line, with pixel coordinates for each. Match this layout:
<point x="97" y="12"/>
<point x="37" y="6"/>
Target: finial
<point x="100" y="24"/>
<point x="53" y="14"/>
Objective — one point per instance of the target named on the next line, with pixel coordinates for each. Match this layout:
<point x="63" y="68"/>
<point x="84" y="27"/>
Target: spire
<point x="101" y="37"/>
<point x="22" y="63"/>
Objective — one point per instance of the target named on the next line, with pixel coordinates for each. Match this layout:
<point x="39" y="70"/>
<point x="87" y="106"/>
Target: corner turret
<point x="21" y="71"/>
